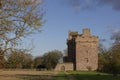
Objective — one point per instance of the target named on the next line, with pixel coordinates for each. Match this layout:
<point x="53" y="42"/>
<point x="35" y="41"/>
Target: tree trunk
<point x="1" y="61"/>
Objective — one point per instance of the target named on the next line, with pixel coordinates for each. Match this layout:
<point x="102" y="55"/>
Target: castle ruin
<point x="82" y="52"/>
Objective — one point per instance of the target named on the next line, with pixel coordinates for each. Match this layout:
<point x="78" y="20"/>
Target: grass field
<point x="93" y="76"/>
<point x="82" y="75"/>
<point x="52" y="75"/>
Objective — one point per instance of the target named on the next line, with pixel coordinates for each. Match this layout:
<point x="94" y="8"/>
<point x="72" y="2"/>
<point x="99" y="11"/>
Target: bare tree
<point x="18" y="19"/>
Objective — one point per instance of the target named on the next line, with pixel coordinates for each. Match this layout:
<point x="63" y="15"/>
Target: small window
<point x="86" y="60"/>
<point x="86" y="51"/>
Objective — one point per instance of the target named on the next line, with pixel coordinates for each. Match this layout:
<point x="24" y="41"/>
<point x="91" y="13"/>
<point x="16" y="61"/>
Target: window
<point x="86" y="60"/>
<point x="86" y="51"/>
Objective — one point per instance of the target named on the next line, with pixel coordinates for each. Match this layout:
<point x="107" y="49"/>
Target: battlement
<point x="72" y="33"/>
<point x="86" y="32"/>
<point x="85" y="36"/>
<point x="82" y="50"/>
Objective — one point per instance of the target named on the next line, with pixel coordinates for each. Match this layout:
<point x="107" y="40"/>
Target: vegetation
<point x="51" y="75"/>
<point x="19" y="59"/>
<point x="48" y="61"/>
<point x="60" y="76"/>
<point x="93" y="76"/>
<point x="18" y="19"/>
<point x="109" y="60"/>
<point x="22" y="59"/>
<point x="84" y="75"/>
<point x="37" y="61"/>
<point x="51" y="59"/>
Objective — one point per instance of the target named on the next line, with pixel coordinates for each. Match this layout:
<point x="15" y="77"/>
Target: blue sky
<point x="101" y="16"/>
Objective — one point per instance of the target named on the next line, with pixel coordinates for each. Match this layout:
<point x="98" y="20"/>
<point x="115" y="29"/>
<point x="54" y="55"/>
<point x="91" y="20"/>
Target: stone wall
<point x="83" y="50"/>
<point x="64" y="67"/>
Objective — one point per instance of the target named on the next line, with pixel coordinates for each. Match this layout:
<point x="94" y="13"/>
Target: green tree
<point x="50" y="59"/>
<point x="114" y="53"/>
<point x="110" y="59"/>
<point x="114" y="59"/>
<point x="18" y="19"/>
<point x="38" y="61"/>
<point x="102" y="55"/>
<point x="19" y="59"/>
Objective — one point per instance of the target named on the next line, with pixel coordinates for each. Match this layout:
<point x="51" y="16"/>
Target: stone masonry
<point x="83" y="50"/>
<point x="64" y="67"/>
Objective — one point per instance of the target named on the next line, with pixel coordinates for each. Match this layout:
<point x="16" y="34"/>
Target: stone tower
<point x="83" y="50"/>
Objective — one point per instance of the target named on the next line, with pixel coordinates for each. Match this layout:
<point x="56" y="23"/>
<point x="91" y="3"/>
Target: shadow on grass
<point x="33" y="77"/>
<point x="95" y="77"/>
<point x="59" y="78"/>
<point x="76" y="75"/>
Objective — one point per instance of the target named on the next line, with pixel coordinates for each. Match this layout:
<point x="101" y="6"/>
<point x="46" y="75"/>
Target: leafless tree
<point x="18" y="19"/>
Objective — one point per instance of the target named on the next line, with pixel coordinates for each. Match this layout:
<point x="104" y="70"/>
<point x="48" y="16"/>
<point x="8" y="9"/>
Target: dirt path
<point x="26" y="75"/>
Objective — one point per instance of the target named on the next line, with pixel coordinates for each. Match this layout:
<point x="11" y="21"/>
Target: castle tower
<point x="83" y="50"/>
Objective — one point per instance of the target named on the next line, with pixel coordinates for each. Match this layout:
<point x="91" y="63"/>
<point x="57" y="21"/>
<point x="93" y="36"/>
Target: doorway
<point x="63" y="68"/>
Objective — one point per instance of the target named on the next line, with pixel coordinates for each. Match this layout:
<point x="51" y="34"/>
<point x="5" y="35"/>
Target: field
<point x="26" y="75"/>
<point x="82" y="75"/>
<point x="52" y="75"/>
<point x="93" y="76"/>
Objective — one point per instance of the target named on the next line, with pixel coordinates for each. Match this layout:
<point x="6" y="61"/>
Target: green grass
<point x="87" y="72"/>
<point x="85" y="75"/>
<point x="60" y="76"/>
<point x="52" y="75"/>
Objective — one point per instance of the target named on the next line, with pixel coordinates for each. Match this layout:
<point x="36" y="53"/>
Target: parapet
<point x="86" y="32"/>
<point x="85" y="36"/>
<point x="72" y="34"/>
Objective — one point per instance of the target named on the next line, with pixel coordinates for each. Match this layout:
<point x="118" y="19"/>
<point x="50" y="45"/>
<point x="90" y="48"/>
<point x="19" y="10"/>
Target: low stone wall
<point x="64" y="67"/>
